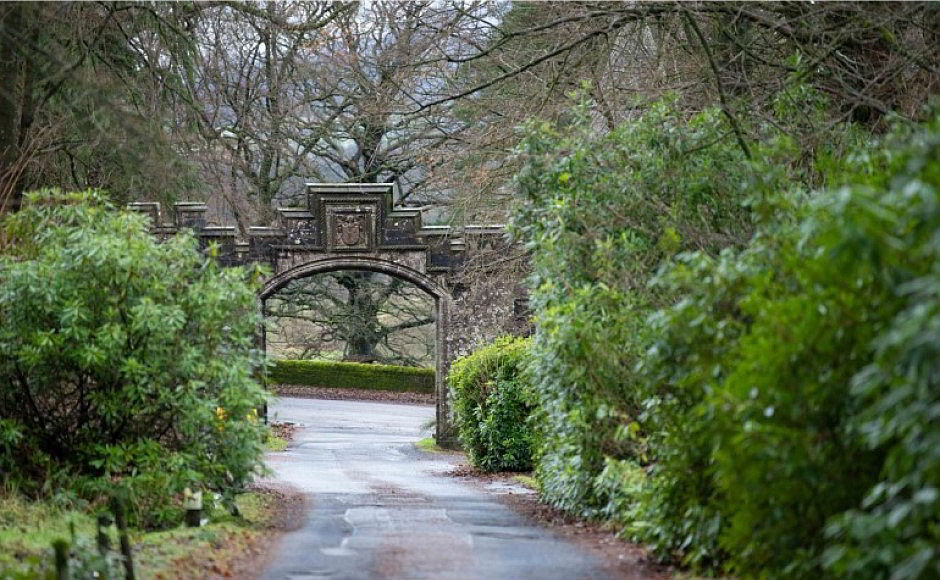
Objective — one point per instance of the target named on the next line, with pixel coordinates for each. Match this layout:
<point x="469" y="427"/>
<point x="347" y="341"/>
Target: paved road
<point x="378" y="508"/>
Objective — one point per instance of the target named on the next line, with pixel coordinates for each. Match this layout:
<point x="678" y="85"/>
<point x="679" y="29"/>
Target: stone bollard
<point x="192" y="503"/>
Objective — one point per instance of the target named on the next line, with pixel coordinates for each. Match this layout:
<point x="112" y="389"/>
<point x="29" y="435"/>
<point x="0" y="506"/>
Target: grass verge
<point x="275" y="443"/>
<point x="528" y="481"/>
<point x="226" y="545"/>
<point x="429" y="445"/>
<point x="28" y="529"/>
<point x="219" y="548"/>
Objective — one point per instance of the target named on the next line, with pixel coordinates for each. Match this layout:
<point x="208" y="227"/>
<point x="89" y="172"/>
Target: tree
<point x="100" y="95"/>
<point x="368" y="317"/>
<point x="83" y="97"/>
<point x="123" y="359"/>
<point x="871" y="60"/>
<point x="279" y="105"/>
<point x="249" y="106"/>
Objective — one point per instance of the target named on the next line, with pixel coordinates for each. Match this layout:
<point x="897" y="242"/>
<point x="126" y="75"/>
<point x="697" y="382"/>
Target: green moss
<point x="352" y="375"/>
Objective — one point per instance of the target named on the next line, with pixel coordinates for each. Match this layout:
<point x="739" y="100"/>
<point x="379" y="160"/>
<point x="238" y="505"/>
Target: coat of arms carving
<point x="350" y="229"/>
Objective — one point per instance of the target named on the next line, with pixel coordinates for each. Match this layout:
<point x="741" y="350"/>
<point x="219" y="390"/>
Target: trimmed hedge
<point x="352" y="375"/>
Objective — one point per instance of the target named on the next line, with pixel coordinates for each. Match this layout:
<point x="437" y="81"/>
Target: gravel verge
<point x="622" y="559"/>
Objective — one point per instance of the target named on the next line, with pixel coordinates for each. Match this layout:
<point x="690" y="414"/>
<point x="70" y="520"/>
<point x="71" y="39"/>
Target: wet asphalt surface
<point x="379" y="508"/>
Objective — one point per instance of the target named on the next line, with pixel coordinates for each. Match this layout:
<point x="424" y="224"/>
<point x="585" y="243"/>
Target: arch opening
<point x="439" y="296"/>
<point x="394" y="269"/>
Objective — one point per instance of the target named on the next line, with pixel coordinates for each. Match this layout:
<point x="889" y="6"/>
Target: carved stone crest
<point x="350" y="229"/>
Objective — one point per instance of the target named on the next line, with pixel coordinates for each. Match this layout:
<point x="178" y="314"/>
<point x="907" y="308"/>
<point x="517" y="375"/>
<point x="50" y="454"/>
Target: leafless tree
<point x="279" y="105"/>
<point x="870" y="59"/>
<point x="362" y="316"/>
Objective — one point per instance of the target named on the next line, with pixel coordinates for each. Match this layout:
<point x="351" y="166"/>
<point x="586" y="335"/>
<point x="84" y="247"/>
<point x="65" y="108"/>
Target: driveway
<point x="379" y="508"/>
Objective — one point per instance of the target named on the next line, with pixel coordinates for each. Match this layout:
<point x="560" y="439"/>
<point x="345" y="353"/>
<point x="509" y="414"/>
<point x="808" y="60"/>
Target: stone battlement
<point x="346" y="218"/>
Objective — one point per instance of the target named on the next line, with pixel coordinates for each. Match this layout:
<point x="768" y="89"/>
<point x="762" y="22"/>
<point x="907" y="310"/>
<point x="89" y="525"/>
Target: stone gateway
<point x="353" y="226"/>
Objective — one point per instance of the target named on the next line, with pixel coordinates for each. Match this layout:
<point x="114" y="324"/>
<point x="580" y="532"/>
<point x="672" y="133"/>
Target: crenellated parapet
<point x="337" y="219"/>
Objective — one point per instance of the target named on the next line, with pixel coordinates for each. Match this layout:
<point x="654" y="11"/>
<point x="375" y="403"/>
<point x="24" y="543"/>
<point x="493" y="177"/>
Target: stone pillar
<point x="261" y="345"/>
<point x="446" y="432"/>
<point x="190" y="214"/>
<point x="149" y="208"/>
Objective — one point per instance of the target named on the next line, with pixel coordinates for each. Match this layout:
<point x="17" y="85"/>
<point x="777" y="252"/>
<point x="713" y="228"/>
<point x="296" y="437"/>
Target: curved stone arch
<point x="442" y="302"/>
<point x="365" y="263"/>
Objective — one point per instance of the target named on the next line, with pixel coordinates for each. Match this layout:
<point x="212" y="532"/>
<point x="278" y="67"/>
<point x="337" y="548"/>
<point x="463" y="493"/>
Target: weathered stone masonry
<point x="353" y="226"/>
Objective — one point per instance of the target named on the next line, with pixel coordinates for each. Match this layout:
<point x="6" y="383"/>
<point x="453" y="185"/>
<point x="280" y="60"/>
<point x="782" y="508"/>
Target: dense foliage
<point x="600" y="215"/>
<point x="124" y="362"/>
<point x="798" y="381"/>
<point x="351" y="375"/>
<point x="492" y="405"/>
<point x="759" y="403"/>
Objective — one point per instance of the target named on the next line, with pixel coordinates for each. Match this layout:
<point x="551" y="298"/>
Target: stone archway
<point x="355" y="226"/>
<point x="442" y="300"/>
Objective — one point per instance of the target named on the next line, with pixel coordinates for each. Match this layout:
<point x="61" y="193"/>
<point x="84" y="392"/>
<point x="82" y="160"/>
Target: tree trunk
<point x="363" y="331"/>
<point x="11" y="22"/>
<point x="361" y="348"/>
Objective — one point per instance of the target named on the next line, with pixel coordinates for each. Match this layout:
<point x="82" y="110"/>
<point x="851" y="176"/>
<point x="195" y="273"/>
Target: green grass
<point x="429" y="445"/>
<point x="528" y="481"/>
<point x="275" y="443"/>
<point x="255" y="508"/>
<point x="189" y="552"/>
<point x="161" y="553"/>
<point x="27" y="529"/>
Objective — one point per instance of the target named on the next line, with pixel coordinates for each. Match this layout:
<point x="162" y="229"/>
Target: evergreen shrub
<point x="792" y="394"/>
<point x="124" y="362"/>
<point x="740" y="372"/>
<point x="599" y="215"/>
<point x="492" y="405"/>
